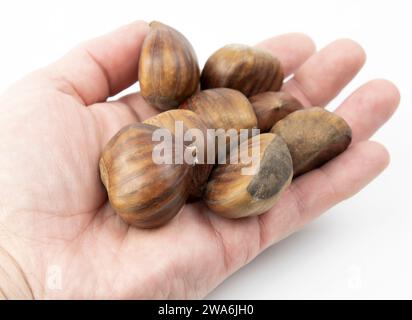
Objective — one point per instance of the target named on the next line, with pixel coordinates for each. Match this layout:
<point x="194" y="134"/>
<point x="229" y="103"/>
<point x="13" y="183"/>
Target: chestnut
<point x="144" y="193"/>
<point x="314" y="136"/>
<point x="233" y="193"/>
<point x="247" y="69"/>
<point x="189" y="121"/>
<point x="222" y="108"/>
<point x="168" y="67"/>
<point x="270" y="107"/>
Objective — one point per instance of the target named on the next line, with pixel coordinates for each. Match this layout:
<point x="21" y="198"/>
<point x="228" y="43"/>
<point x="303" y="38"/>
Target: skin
<point x="54" y="213"/>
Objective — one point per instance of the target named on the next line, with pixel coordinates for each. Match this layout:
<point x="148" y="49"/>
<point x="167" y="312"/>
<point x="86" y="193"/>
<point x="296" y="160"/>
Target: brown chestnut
<point x="244" y="68"/>
<point x="270" y="107"/>
<point x="233" y="194"/>
<point x="144" y="193"/>
<point x="314" y="136"/>
<point x="222" y="108"/>
<point x="227" y="111"/>
<point x="189" y="121"/>
<point x="168" y="67"/>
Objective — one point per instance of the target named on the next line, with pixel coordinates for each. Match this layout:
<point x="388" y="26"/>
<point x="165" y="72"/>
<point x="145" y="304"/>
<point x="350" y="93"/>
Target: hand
<point x="56" y="224"/>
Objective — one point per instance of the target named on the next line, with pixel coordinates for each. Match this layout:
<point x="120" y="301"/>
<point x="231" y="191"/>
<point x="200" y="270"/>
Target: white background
<point x="359" y="249"/>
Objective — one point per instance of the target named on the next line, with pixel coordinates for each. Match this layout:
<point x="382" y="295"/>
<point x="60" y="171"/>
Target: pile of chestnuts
<point x="238" y="88"/>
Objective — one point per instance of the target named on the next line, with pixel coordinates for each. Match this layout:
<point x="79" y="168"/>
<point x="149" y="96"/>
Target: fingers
<point x="102" y="67"/>
<point x="369" y="107"/>
<point x="313" y="193"/>
<point x="327" y="72"/>
<point x="292" y="49"/>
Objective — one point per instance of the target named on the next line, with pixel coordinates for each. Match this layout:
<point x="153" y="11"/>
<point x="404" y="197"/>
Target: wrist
<point x="13" y="281"/>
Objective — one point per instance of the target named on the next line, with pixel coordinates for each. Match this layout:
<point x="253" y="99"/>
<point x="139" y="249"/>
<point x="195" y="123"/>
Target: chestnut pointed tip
<point x="191" y="122"/>
<point x="271" y="107"/>
<point x="153" y="23"/>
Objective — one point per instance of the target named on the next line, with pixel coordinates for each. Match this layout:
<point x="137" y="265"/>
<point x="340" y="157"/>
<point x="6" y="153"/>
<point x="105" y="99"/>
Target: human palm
<point x="56" y="222"/>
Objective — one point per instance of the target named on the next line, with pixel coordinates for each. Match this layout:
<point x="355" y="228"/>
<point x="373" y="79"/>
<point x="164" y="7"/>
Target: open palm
<point x="56" y="222"/>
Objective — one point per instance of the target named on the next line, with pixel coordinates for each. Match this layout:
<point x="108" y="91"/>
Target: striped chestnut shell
<point x="271" y="107"/>
<point x="247" y="69"/>
<point x="168" y="67"/>
<point x="233" y="194"/>
<point x="143" y="193"/>
<point x="200" y="145"/>
<point x="222" y="108"/>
